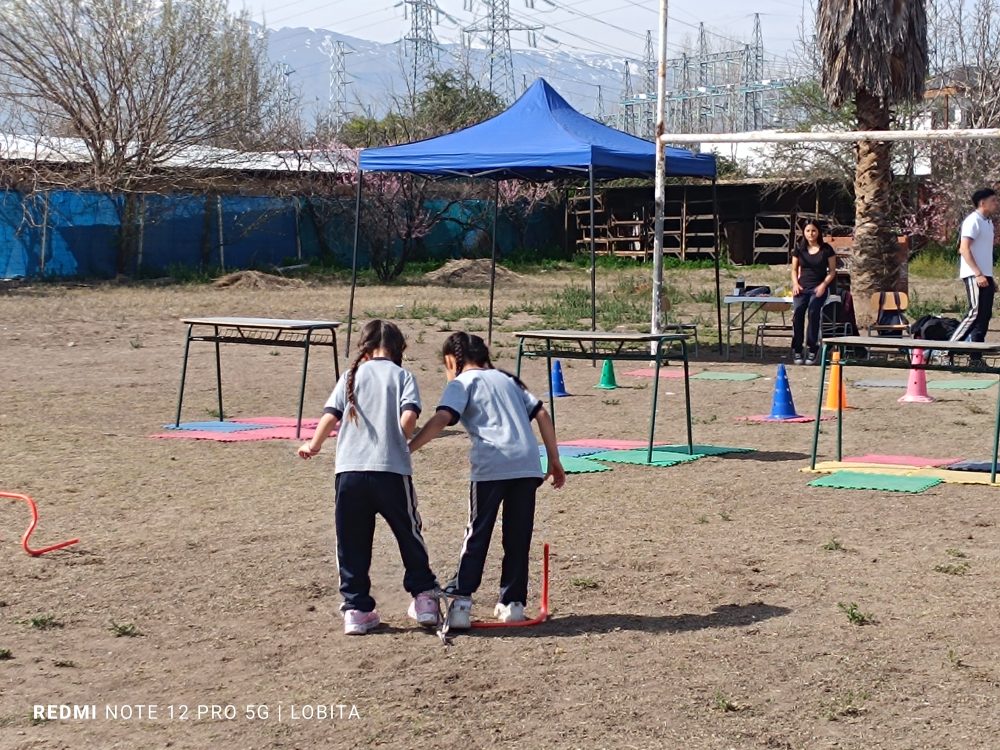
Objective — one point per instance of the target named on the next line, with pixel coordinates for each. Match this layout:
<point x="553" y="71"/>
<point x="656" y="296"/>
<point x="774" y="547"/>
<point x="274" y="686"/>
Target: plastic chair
<point x="891" y="303"/>
<point x="765" y="329"/>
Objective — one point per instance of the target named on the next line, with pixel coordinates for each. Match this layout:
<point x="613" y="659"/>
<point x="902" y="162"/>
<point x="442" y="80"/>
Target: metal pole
<point x="493" y="263"/>
<point x="659" y="195"/>
<point x="718" y="252"/>
<point x="222" y="250"/>
<point x="843" y="136"/>
<point x="354" y="263"/>
<point x="593" y="258"/>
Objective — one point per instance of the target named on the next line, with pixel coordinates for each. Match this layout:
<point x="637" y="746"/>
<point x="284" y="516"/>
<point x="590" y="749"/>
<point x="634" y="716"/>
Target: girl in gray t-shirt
<point x="376" y="405"/>
<point x="496" y="410"/>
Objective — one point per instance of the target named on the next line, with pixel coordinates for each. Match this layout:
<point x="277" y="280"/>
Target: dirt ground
<point x="695" y="606"/>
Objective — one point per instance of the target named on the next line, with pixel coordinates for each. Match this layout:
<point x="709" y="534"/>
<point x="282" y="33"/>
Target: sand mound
<point x="467" y="272"/>
<point x="255" y="280"/>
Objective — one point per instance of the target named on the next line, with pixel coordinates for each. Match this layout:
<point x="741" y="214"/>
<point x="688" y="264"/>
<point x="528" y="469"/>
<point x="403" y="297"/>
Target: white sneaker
<point x="357" y="622"/>
<point x="460" y="613"/>
<point x="513" y="612"/>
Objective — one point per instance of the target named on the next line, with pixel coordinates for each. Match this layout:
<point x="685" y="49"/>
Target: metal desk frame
<point x="745" y="301"/>
<point x="297" y="334"/>
<point x="575" y="346"/>
<point x="889" y="345"/>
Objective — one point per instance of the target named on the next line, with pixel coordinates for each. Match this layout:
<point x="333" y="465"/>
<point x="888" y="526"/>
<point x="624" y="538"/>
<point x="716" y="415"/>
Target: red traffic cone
<point x="916" y="386"/>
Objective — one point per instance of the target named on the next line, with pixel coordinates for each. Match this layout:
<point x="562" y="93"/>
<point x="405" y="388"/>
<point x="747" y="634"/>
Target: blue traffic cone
<point x="558" y="386"/>
<point x="782" y="406"/>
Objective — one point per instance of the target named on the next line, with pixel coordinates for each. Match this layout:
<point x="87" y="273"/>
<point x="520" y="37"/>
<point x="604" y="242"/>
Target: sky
<point x="614" y="27"/>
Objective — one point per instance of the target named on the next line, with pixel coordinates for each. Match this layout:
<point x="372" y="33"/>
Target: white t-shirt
<point x="980" y="231"/>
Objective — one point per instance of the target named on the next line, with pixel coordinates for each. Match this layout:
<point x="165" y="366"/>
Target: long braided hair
<point x="467" y="348"/>
<point x="376" y="334"/>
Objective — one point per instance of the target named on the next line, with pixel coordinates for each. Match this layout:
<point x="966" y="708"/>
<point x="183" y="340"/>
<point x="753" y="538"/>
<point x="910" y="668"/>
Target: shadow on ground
<point x="723" y="616"/>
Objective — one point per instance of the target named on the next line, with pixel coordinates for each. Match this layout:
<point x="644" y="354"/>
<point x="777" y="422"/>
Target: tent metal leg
<point x="354" y="262"/>
<point x="493" y="263"/>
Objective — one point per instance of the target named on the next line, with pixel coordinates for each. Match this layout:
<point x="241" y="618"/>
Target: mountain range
<point x="377" y="73"/>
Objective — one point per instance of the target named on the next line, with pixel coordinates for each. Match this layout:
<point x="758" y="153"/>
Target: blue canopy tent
<point x="539" y="138"/>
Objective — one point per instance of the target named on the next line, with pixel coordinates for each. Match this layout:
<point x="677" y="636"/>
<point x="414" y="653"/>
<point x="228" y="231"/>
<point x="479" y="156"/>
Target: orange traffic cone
<point x="836" y="398"/>
<point x="916" y="386"/>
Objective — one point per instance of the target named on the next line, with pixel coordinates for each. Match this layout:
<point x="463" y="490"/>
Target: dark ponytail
<point x="468" y="348"/>
<point x="376" y="334"/>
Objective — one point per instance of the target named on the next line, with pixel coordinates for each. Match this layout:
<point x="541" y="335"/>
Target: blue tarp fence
<point x="69" y="234"/>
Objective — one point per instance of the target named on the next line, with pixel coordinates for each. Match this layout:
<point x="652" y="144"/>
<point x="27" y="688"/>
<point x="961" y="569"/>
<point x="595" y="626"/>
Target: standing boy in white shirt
<point x="976" y="267"/>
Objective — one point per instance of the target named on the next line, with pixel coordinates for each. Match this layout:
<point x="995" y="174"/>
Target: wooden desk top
<point x="271" y="324"/>
<point x="900" y="342"/>
<point x="626" y="336"/>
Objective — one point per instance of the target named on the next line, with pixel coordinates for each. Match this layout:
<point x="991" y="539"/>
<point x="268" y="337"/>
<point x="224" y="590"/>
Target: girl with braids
<point x="496" y="410"/>
<point x="376" y="404"/>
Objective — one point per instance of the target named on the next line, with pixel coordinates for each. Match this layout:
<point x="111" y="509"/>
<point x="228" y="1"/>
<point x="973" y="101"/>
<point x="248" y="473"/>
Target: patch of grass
<point x="952" y="552"/>
<point x="418" y="311"/>
<point x="854" y="614"/>
<point x="703" y="296"/>
<point x="274" y="353"/>
<point x="955" y="660"/>
<point x="833" y="545"/>
<point x="702" y="519"/>
<point x="705" y="420"/>
<point x="124" y="629"/>
<point x="213" y="413"/>
<point x="458" y="313"/>
<point x="847" y="704"/>
<point x="952" y="569"/>
<point x="5" y="654"/>
<point x="64" y="664"/>
<point x="725" y="516"/>
<point x="611" y="401"/>
<point x="935" y="262"/>
<point x="44" y="622"/>
<point x="135" y="342"/>
<point x="585" y="583"/>
<point x="720" y="702"/>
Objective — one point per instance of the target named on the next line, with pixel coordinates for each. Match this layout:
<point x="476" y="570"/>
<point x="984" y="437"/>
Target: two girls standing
<point x="376" y="403"/>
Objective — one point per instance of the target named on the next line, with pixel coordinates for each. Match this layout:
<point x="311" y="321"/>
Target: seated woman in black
<point x="814" y="267"/>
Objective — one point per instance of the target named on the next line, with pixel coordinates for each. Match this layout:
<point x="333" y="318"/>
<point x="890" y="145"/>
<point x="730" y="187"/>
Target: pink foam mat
<point x="665" y="372"/>
<point x="915" y="461"/>
<point x="606" y="443"/>
<point x="275" y="421"/>
<point x="762" y="418"/>
<point x="266" y="433"/>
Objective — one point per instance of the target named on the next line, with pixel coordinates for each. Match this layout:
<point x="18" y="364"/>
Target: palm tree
<point x="874" y="54"/>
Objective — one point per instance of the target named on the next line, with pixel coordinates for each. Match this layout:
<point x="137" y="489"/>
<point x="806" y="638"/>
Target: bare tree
<point x="963" y="91"/>
<point x="122" y="89"/>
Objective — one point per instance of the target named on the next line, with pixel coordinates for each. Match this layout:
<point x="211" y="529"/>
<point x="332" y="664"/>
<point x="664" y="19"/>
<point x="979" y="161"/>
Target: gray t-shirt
<point x="497" y="414"/>
<point x="382" y="392"/>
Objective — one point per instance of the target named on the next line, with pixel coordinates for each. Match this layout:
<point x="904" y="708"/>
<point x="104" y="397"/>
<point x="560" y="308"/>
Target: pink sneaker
<point x="357" y="622"/>
<point x="424" y="609"/>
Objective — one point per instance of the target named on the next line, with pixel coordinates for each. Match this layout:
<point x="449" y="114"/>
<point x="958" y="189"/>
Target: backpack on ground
<point x="934" y="328"/>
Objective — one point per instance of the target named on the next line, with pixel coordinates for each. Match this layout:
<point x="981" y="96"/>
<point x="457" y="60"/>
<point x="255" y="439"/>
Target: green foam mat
<point x="725" y="376"/>
<point x="577" y="465"/>
<point x="964" y="384"/>
<point x="702" y="450"/>
<point x="638" y="456"/>
<point x="854" y="480"/>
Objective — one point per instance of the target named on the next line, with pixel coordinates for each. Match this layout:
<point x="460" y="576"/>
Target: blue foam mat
<point x="217" y="426"/>
<point x="986" y="466"/>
